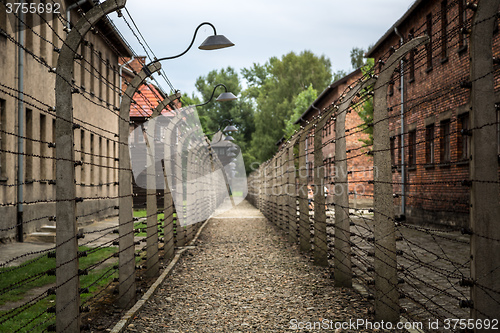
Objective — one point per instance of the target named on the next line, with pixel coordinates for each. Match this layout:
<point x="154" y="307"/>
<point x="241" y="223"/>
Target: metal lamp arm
<point x="213" y="92"/>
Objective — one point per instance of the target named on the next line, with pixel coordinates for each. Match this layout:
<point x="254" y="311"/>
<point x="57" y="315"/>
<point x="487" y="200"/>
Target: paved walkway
<point x="243" y="276"/>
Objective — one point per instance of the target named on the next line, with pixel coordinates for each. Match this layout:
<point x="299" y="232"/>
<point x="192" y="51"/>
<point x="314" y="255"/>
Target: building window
<point x="54" y="149"/>
<point x="412" y="148"/>
<point x="463" y="142"/>
<point x="391" y="82"/>
<point x="444" y="27"/>
<point x="28" y="30"/>
<point x="429" y="144"/>
<point x="444" y="146"/>
<point x="428" y="46"/>
<point x="3" y="21"/>
<point x="43" y="34"/>
<point x="28" y="165"/>
<point x="92" y="161"/>
<point x="392" y="146"/>
<point x="108" y="80"/>
<point x="3" y="142"/>
<point x="462" y="16"/>
<point x="55" y="36"/>
<point x="411" y="59"/>
<point x="400" y="138"/>
<point x="82" y="65"/>
<point x="43" y="147"/>
<point x="114" y="85"/>
<point x="82" y="157"/>
<point x="92" y="69"/>
<point x="498" y="132"/>
<point x="310" y="172"/>
<point x="100" y="60"/>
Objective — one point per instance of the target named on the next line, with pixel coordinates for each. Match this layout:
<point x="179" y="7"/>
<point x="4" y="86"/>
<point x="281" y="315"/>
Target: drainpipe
<point x="68" y="13"/>
<point x="120" y="71"/>
<point x="403" y="165"/>
<point x="20" y="124"/>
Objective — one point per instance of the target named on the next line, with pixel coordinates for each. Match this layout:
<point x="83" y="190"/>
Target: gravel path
<point x="243" y="276"/>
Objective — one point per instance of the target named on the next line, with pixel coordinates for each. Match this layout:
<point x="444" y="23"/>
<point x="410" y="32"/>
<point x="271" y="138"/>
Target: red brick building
<point x="435" y="111"/>
<point x="359" y="164"/>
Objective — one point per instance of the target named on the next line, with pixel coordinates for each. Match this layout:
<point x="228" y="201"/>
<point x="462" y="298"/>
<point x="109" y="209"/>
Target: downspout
<point x="120" y="71"/>
<point x="20" y="124"/>
<point x="68" y="13"/>
<point x="403" y="165"/>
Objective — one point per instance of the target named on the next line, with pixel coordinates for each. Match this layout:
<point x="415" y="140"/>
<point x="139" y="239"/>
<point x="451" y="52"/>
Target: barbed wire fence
<point x="83" y="173"/>
<point x="425" y="271"/>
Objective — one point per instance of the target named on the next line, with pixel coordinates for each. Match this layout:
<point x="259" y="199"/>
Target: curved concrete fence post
<point x="385" y="263"/>
<point x="342" y="248"/>
<point x="320" y="246"/>
<point x="67" y="279"/>
<point x="485" y="210"/>
<point x="127" y="289"/>
<point x="152" y="257"/>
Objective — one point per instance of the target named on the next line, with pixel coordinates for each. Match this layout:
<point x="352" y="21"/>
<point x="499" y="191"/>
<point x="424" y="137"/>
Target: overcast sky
<point x="260" y="29"/>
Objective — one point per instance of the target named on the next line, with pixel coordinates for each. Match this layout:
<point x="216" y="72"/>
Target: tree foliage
<point x="301" y="103"/>
<point x="366" y="111"/>
<point x="216" y="116"/>
<point x="274" y="86"/>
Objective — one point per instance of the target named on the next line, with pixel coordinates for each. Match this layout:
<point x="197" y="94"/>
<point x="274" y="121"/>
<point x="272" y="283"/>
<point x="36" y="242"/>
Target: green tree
<point x="215" y="115"/>
<point x="301" y="103"/>
<point x="273" y="87"/>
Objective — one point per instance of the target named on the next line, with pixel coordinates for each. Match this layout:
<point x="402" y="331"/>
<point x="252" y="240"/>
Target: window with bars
<point x="412" y="148"/>
<point x="463" y="141"/>
<point x="392" y="145"/>
<point x="429" y="144"/>
<point x="411" y="59"/>
<point x="428" y="46"/>
<point x="3" y="142"/>
<point x="462" y="16"/>
<point x="444" y="32"/>
<point x="444" y="145"/>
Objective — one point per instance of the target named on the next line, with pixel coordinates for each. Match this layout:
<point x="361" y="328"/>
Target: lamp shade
<point x="226" y="96"/>
<point x="215" y="42"/>
<point x="230" y="128"/>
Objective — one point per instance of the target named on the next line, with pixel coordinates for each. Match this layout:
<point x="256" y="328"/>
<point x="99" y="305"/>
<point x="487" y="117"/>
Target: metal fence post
<point x="385" y="263"/>
<point x="485" y="210"/>
<point x="67" y="279"/>
<point x="126" y="221"/>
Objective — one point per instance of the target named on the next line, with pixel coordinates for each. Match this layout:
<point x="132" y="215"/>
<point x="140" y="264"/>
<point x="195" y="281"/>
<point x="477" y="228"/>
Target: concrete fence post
<point x="342" y="247"/>
<point x="304" y="232"/>
<point x="385" y="263"/>
<point x="126" y="221"/>
<point x="152" y="263"/>
<point x="67" y="279"/>
<point x="292" y="197"/>
<point x="485" y="210"/>
<point x="320" y="244"/>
